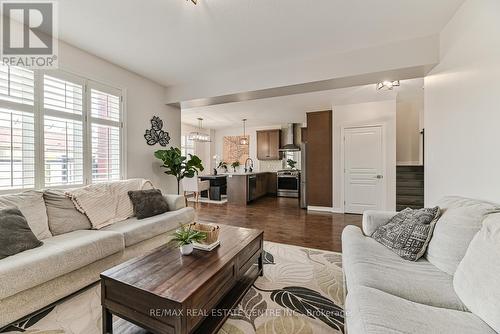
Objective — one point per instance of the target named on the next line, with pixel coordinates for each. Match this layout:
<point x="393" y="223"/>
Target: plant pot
<point x="186" y="249"/>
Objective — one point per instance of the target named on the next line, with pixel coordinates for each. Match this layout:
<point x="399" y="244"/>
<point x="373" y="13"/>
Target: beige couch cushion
<point x="58" y="255"/>
<point x="368" y="263"/>
<point x="32" y="206"/>
<point x="460" y="220"/>
<point x="62" y="214"/>
<point x="370" y="311"/>
<point x="476" y="278"/>
<point x="135" y="230"/>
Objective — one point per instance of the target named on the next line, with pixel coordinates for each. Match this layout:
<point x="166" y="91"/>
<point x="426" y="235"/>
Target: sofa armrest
<point x="373" y="219"/>
<point x="175" y="202"/>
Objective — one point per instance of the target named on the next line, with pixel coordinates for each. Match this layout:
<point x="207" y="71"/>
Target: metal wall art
<point x="156" y="134"/>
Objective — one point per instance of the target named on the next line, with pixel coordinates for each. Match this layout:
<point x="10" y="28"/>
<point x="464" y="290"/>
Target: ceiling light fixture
<point x="388" y="85"/>
<point x="199" y="136"/>
<point x="244" y="139"/>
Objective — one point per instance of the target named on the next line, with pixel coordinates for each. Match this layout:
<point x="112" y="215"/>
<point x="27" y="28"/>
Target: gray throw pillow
<point x="62" y="214"/>
<point x="148" y="203"/>
<point x="15" y="234"/>
<point x="408" y="233"/>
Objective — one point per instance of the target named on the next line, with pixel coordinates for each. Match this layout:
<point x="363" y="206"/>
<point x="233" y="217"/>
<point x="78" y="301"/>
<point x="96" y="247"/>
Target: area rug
<point x="301" y="292"/>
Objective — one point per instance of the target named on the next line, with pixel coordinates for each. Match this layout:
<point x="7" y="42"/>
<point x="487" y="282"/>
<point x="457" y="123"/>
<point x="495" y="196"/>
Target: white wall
<point x="263" y="166"/>
<point x="144" y="99"/>
<point x="372" y="113"/>
<point x="409" y="118"/>
<point x="462" y="107"/>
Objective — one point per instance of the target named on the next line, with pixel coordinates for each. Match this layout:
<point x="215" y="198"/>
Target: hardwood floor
<point x="282" y="221"/>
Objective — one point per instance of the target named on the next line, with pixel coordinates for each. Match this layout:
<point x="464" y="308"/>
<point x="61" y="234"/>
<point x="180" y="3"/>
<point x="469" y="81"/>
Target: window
<point x="105" y="120"/>
<point x="187" y="146"/>
<point x="17" y="128"/>
<point x="78" y="121"/>
<point x="63" y="131"/>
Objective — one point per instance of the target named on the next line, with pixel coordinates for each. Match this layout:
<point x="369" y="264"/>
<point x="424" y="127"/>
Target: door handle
<point x="379" y="177"/>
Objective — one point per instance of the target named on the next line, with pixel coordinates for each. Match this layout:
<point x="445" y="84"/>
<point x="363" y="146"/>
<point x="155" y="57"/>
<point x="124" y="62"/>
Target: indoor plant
<point x="185" y="237"/>
<point x="223" y="165"/>
<point x="178" y="165"/>
<point x="291" y="163"/>
<point x="235" y="165"/>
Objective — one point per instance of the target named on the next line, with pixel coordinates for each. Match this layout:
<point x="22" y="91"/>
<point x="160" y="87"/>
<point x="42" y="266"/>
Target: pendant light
<point x="199" y="136"/>
<point x="244" y="139"/>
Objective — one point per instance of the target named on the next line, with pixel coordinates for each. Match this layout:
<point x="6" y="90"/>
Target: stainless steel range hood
<point x="290" y="144"/>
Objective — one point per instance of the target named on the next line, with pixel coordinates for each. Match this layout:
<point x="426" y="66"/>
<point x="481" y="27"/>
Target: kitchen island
<point x="243" y="188"/>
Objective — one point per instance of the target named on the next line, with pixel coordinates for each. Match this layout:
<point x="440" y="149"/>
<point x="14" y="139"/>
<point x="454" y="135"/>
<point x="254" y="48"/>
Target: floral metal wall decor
<point x="156" y="134"/>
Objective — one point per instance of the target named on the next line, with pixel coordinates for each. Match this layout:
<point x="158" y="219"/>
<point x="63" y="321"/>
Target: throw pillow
<point x="31" y="204"/>
<point x="148" y="203"/>
<point x="15" y="234"/>
<point x="63" y="216"/>
<point x="408" y="233"/>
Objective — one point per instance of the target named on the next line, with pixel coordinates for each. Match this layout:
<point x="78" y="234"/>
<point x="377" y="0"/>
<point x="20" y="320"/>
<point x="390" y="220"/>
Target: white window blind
<point x="104" y="105"/>
<point x="63" y="132"/>
<point x="17" y="85"/>
<point x="62" y="95"/>
<point x="17" y="128"/>
<point x="17" y="149"/>
<point x="57" y="129"/>
<point x="63" y="151"/>
<point x="105" y="111"/>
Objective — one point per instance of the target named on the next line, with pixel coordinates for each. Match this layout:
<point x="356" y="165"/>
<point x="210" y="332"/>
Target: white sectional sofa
<point x="452" y="289"/>
<point x="66" y="263"/>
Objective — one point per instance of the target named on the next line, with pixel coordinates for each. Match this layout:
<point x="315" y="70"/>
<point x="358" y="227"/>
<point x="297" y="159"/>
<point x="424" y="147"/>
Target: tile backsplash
<point x="270" y="165"/>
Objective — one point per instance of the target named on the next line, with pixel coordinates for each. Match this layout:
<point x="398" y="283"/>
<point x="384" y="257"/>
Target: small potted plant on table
<point x="235" y="165"/>
<point x="185" y="237"/>
<point x="223" y="165"/>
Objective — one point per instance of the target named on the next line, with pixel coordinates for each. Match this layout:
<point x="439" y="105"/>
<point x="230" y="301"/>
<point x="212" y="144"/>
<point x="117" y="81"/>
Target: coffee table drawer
<point x="248" y="253"/>
<point x="210" y="294"/>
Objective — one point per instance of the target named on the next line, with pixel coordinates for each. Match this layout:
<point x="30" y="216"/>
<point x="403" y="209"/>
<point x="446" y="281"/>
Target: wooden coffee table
<point x="165" y="292"/>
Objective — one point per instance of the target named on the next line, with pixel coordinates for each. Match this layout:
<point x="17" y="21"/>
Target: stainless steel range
<point x="288" y="183"/>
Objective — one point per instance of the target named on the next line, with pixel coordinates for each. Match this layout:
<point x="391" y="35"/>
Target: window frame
<point x="39" y="112"/>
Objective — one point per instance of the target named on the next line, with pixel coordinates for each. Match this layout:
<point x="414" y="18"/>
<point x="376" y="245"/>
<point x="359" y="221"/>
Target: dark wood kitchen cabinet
<point x="268" y="144"/>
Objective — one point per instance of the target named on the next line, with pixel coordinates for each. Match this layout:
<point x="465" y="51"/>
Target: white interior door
<point x="364" y="182"/>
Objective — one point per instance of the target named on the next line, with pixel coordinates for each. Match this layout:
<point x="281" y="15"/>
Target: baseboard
<point x="408" y="163"/>
<point x="337" y="210"/>
<point x="324" y="209"/>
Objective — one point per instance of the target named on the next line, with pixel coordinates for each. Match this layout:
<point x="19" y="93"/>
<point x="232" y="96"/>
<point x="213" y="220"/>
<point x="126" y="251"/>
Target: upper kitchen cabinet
<point x="268" y="144"/>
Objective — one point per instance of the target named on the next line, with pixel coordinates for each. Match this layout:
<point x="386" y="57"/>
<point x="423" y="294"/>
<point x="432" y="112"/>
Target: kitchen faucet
<point x="250" y="169"/>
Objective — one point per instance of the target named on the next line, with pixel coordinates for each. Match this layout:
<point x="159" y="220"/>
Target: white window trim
<point x="39" y="113"/>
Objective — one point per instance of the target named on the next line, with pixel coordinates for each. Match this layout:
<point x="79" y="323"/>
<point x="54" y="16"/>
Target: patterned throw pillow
<point x="408" y="233"/>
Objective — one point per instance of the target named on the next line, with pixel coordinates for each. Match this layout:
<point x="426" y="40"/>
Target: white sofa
<point x="452" y="289"/>
<point x="66" y="263"/>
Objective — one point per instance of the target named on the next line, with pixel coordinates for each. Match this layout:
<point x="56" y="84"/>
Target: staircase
<point x="409" y="187"/>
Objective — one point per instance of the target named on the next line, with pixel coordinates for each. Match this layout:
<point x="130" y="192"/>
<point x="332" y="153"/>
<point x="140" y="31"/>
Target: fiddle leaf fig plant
<point x="178" y="165"/>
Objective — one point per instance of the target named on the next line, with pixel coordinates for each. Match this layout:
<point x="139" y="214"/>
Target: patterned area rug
<point x="301" y="292"/>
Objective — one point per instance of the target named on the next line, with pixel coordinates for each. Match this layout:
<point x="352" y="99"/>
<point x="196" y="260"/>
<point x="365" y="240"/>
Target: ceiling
<point x="175" y="42"/>
<point x="292" y="108"/>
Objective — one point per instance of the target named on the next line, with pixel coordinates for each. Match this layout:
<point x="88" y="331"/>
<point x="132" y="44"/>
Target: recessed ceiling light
<point x="388" y="85"/>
